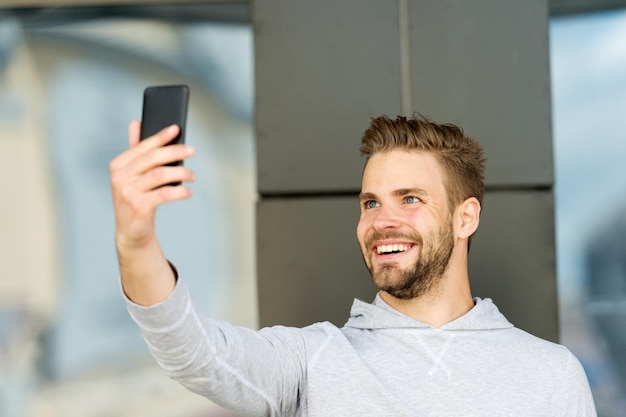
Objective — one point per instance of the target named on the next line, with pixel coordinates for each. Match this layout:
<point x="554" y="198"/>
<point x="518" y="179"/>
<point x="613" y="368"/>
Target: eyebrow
<point x="419" y="192"/>
<point x="367" y="196"/>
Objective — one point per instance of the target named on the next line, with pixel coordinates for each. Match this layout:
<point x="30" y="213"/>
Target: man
<point x="424" y="347"/>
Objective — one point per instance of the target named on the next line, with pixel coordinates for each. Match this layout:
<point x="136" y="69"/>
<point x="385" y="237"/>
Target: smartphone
<point x="165" y="105"/>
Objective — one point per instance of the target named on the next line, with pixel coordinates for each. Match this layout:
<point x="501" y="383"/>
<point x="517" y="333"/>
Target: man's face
<point x="405" y="230"/>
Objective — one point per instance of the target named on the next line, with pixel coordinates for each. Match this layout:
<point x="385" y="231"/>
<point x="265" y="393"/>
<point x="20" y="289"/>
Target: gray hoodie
<point x="381" y="363"/>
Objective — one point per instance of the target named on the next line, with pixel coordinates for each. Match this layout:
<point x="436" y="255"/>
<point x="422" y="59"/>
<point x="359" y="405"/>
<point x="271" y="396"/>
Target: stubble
<point x="427" y="271"/>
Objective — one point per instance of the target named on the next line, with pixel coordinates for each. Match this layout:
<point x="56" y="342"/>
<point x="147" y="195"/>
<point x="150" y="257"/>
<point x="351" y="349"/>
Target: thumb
<point x="134" y="130"/>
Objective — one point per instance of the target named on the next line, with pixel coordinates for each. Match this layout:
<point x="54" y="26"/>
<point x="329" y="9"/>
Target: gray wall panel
<point x="310" y="267"/>
<point x="484" y="64"/>
<point x="309" y="264"/>
<point x="322" y="69"/>
<point x="512" y="259"/>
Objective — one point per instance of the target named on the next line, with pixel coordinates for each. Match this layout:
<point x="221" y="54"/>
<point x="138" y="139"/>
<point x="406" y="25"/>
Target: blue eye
<point x="371" y="204"/>
<point x="412" y="200"/>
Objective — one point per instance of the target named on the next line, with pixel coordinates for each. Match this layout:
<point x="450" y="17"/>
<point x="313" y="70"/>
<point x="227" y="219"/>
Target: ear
<point x="467" y="217"/>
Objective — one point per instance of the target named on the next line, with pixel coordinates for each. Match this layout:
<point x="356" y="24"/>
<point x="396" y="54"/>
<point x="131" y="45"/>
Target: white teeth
<point x="391" y="248"/>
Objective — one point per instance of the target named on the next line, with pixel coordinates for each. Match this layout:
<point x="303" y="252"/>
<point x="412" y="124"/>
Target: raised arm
<point x="138" y="187"/>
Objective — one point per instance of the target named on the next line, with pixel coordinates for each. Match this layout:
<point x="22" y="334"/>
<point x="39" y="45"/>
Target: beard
<point x="418" y="279"/>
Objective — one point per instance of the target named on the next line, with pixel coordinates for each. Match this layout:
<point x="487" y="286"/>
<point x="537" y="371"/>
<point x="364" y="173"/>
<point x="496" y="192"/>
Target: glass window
<point x="588" y="61"/>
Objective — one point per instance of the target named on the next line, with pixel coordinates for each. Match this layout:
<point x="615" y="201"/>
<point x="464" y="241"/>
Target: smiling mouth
<point x="394" y="248"/>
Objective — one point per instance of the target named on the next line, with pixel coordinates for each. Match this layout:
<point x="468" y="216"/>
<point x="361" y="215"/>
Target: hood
<point x="380" y="315"/>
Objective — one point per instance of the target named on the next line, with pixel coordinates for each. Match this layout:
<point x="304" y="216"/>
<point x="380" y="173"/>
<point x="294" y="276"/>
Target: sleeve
<point x="576" y="397"/>
<point x="256" y="373"/>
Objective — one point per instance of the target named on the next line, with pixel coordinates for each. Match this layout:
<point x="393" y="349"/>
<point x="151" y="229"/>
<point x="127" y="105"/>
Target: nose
<point x="386" y="218"/>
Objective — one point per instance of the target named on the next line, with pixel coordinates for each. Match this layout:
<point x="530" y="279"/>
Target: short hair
<point x="460" y="156"/>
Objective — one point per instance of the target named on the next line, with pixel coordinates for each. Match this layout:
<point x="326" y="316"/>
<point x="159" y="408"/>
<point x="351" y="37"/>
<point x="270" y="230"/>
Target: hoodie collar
<point x="380" y="315"/>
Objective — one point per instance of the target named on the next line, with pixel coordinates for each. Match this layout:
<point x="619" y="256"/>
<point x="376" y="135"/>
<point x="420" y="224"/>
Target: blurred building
<point x="606" y="281"/>
<point x="71" y="79"/>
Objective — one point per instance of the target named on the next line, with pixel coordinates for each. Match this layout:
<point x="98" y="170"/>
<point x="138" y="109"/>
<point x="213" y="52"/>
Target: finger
<point x="162" y="137"/>
<point x="167" y="194"/>
<point x="134" y="131"/>
<point x="138" y="193"/>
<point x="162" y="176"/>
<point x="161" y="156"/>
<point x="141" y="147"/>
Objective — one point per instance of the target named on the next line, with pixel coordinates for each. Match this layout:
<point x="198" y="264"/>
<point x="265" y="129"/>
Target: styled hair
<point x="460" y="156"/>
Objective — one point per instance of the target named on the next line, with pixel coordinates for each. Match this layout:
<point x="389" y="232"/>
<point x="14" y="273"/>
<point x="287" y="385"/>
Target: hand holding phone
<point x="165" y="105"/>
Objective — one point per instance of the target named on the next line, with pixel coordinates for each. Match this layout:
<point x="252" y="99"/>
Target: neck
<point x="446" y="302"/>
